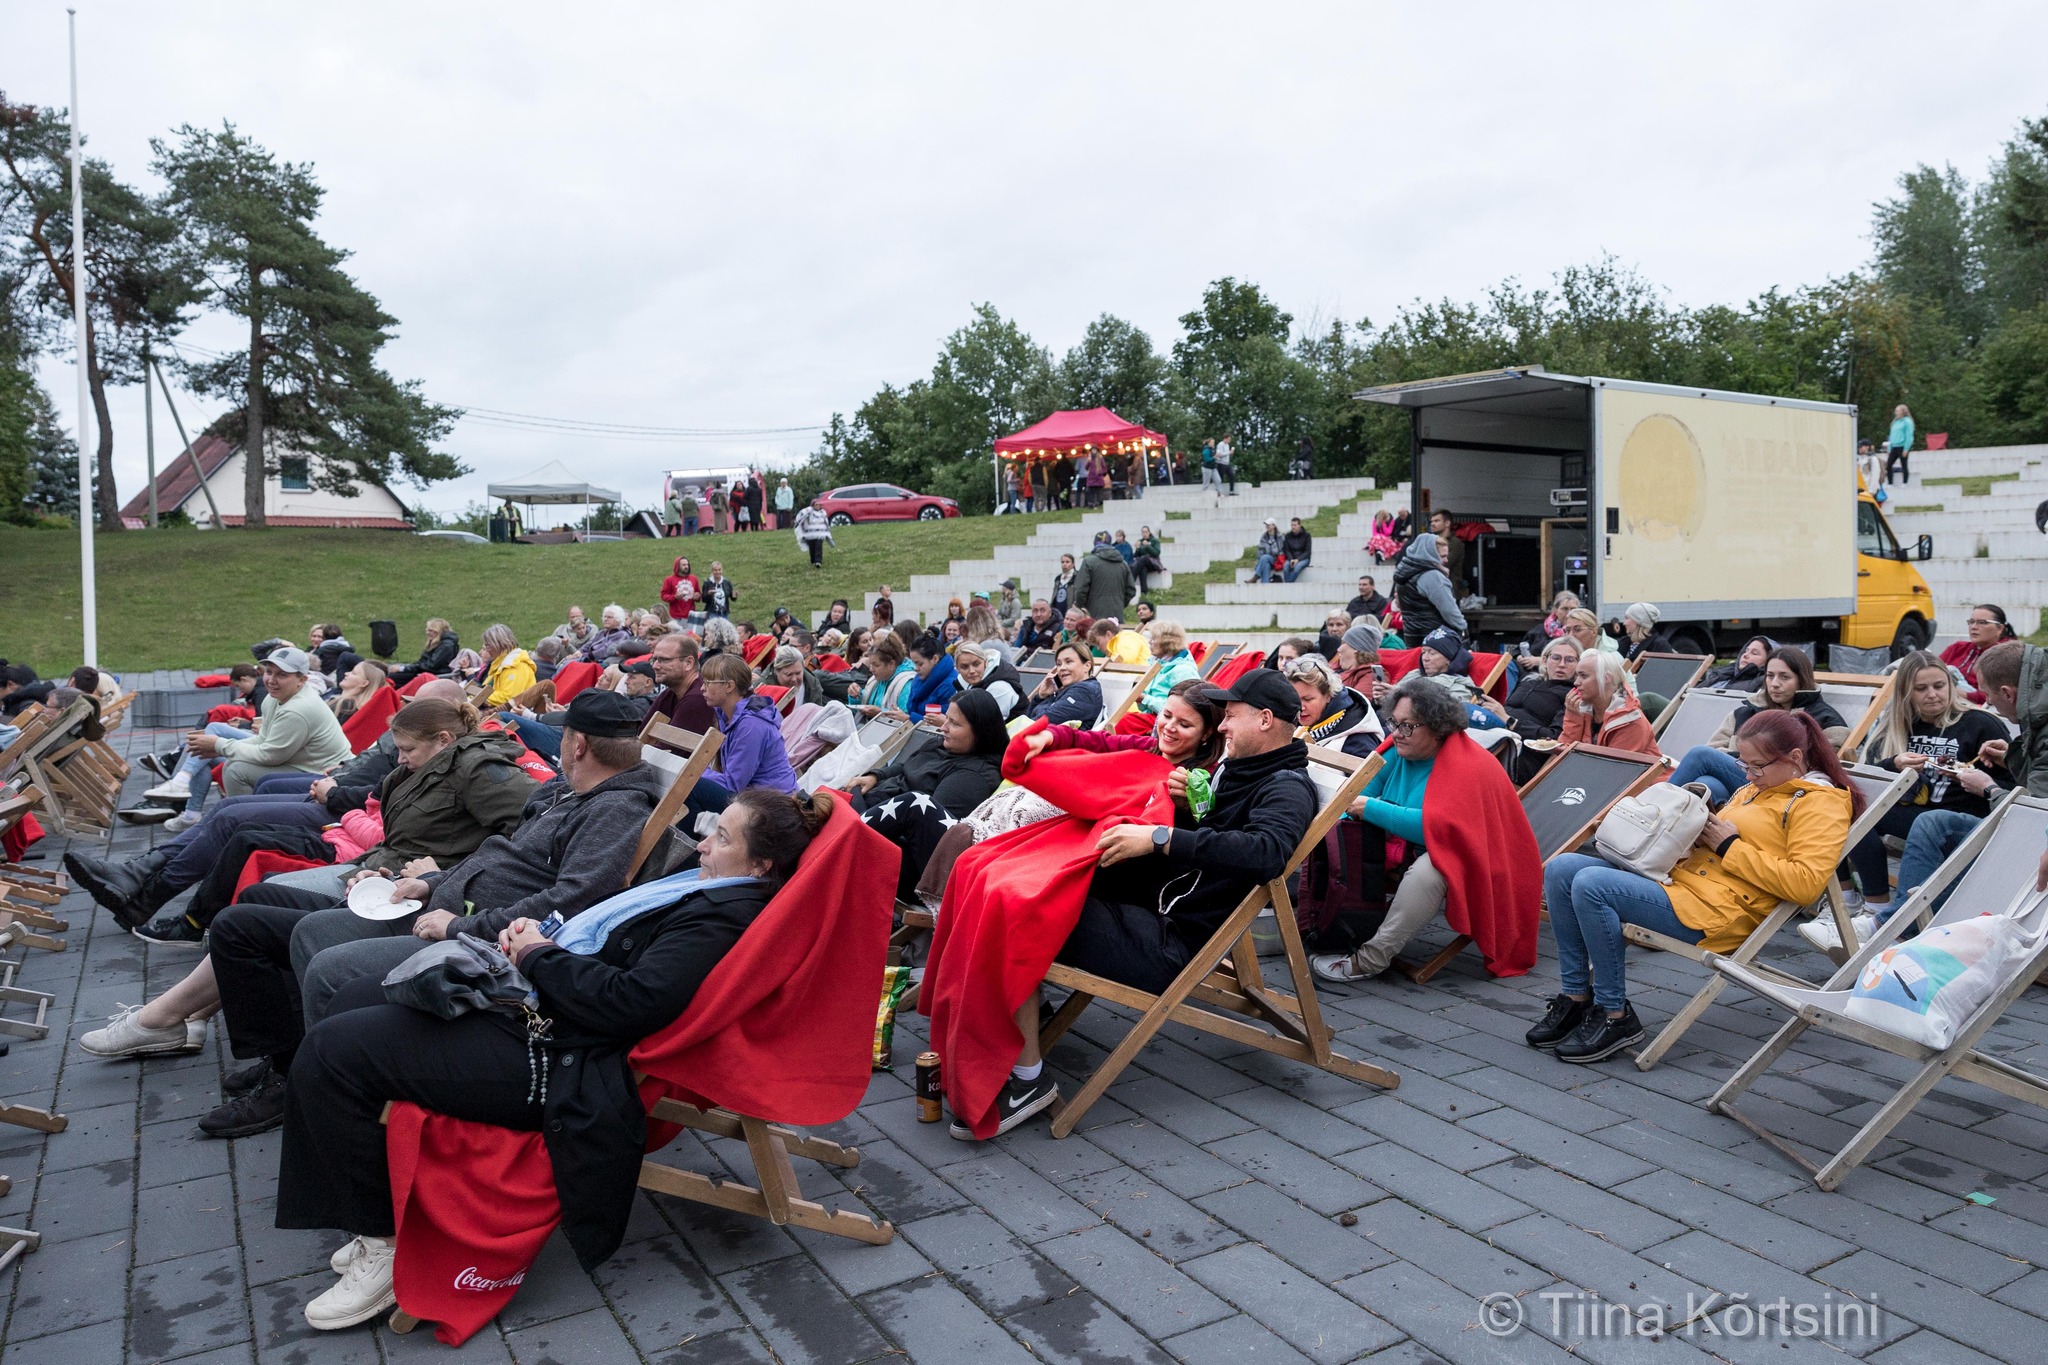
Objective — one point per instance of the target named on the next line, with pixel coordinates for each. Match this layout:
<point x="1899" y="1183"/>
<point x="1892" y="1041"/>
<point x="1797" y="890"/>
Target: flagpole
<point x="85" y="498"/>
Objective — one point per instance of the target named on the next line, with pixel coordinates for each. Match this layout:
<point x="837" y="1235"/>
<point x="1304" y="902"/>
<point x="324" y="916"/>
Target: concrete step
<point x="1287" y="619"/>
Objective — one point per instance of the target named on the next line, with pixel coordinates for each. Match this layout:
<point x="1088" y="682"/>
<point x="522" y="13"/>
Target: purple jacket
<point x="751" y="753"/>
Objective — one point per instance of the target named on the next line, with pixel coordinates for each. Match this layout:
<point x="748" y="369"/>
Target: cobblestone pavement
<point x="1218" y="1205"/>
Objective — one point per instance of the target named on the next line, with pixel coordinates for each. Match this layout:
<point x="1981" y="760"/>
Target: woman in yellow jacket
<point x="508" y="669"/>
<point x="1777" y="839"/>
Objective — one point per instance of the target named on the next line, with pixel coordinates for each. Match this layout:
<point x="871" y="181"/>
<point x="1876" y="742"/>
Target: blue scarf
<point x="935" y="688"/>
<point x="586" y="933"/>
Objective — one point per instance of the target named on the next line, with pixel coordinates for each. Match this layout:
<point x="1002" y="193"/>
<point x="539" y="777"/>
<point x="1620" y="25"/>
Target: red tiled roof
<point x="179" y="479"/>
<point x="355" y="523"/>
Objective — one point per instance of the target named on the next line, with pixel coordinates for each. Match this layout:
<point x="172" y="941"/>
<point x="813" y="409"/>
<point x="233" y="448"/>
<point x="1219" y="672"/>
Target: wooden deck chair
<point x="1122" y="685"/>
<point x="34" y="722"/>
<point x="1220" y="653"/>
<point x="1881" y="791"/>
<point x="80" y="791"/>
<point x="116" y="711"/>
<point x="1669" y="676"/>
<point x="1861" y="699"/>
<point x="1692" y="720"/>
<point x="1997" y="860"/>
<point x="1565" y="802"/>
<point x="1222" y="981"/>
<point x="683" y="755"/>
<point x="1041" y="659"/>
<point x="22" y="885"/>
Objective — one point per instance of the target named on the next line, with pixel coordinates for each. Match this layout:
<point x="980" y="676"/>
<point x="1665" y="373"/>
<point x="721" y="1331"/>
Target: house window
<point x="292" y="477"/>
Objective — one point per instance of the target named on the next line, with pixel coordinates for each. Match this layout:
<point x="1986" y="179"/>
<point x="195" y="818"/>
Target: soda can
<point x="929" y="1107"/>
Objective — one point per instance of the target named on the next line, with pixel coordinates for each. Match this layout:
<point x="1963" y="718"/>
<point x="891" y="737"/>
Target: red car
<point x="885" y="502"/>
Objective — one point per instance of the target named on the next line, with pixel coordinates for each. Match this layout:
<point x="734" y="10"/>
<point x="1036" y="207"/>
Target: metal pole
<point x="190" y="453"/>
<point x="87" y="592"/>
<point x="149" y="433"/>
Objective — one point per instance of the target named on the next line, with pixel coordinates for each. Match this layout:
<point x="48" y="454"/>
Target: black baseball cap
<point x="604" y="715"/>
<point x="1263" y="688"/>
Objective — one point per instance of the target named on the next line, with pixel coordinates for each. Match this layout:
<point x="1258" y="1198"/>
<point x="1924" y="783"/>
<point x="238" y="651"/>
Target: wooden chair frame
<point x="1219" y="653"/>
<point x="1745" y="954"/>
<point x="1142" y="679"/>
<point x="1859" y="728"/>
<point x="1961" y="1059"/>
<point x="1654" y="770"/>
<point x="699" y="750"/>
<point x="1706" y="661"/>
<point x="1224" y="975"/>
<point x="1493" y="675"/>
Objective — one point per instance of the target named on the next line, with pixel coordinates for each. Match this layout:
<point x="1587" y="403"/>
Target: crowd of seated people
<point x="1788" y="685"/>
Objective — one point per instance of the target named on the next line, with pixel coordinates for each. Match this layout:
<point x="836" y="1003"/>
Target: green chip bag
<point x="895" y="981"/>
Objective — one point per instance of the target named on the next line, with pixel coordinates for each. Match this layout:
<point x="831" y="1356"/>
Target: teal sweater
<point x="1393" y="799"/>
<point x="1901" y="433"/>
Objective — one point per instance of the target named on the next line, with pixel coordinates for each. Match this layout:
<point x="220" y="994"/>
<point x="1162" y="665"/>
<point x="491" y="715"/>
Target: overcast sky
<point x="752" y="216"/>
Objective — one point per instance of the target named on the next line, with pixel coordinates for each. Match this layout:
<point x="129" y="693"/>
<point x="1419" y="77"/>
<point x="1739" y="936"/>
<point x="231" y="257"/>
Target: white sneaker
<point x="126" y="1036"/>
<point x="179" y="788"/>
<point x="341" y="1260"/>
<point x="1820" y="931"/>
<point x="1852" y="900"/>
<point x="364" y="1291"/>
<point x="183" y="821"/>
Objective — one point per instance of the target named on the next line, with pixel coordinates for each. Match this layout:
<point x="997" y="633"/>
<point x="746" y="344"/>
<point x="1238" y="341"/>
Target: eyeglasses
<point x="1759" y="769"/>
<point x="1983" y="621"/>
<point x="1404" y="728"/>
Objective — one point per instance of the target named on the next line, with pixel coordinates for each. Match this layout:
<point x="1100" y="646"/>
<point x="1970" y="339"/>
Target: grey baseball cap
<point x="287" y="659"/>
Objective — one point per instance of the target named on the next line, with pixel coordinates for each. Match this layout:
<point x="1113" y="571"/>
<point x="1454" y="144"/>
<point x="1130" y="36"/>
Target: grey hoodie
<point x="1424" y="561"/>
<point x="2027" y="757"/>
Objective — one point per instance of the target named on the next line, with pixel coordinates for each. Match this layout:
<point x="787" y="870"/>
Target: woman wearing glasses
<point x="1986" y="628"/>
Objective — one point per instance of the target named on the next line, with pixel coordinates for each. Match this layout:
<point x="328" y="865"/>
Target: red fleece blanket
<point x="573" y="678"/>
<point x="15" y="842"/>
<point x="1480" y="841"/>
<point x="1236" y="666"/>
<point x="1011" y="902"/>
<point x="371" y="718"/>
<point x="782" y="1029"/>
<point x="1399" y="663"/>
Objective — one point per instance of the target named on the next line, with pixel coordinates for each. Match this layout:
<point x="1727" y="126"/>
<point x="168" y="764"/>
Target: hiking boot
<point x="1598" y="1037"/>
<point x="177" y="932"/>
<point x="365" y="1290"/>
<point x="258" y="1111"/>
<point x="243" y="1079"/>
<point x="126" y="1036"/>
<point x="1018" y="1102"/>
<point x="1559" y="1022"/>
<point x="122" y="888"/>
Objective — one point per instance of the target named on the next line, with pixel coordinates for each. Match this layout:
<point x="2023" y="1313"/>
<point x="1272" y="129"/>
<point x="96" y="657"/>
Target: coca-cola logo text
<point x="469" y="1279"/>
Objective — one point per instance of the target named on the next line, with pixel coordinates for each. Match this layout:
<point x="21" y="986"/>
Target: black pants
<point x="1148" y="564"/>
<point x="1897" y="460"/>
<point x="1134" y="944"/>
<point x="817" y="549"/>
<point x="251" y="945"/>
<point x="290" y="897"/>
<point x="1229" y="473"/>
<point x="333" y="1173"/>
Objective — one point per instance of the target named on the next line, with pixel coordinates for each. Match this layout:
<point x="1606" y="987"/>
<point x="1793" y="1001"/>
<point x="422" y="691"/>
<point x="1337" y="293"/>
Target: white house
<point x="289" y="498"/>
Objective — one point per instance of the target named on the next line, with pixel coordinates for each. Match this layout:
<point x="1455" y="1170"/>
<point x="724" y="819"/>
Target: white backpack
<point x="1648" y="833"/>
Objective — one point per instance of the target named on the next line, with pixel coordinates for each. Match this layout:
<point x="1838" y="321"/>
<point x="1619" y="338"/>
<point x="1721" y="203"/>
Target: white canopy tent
<point x="554" y="485"/>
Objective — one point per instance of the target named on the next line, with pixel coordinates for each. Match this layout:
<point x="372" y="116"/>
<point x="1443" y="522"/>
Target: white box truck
<point x="1736" y="514"/>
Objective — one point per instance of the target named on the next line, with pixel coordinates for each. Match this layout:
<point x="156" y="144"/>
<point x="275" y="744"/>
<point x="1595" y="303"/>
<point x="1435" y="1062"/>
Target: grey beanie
<point x="1644" y="614"/>
<point x="1362" y="638"/>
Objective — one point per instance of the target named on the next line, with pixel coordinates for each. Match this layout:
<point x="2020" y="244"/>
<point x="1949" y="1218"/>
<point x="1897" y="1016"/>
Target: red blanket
<point x="1236" y="666"/>
<point x="268" y="862"/>
<point x="412" y="688"/>
<point x="228" y="713"/>
<point x="1011" y="902"/>
<point x="782" y="1029"/>
<point x="573" y="678"/>
<point x="15" y="842"/>
<point x="368" y="722"/>
<point x="1399" y="663"/>
<point x="212" y="680"/>
<point x="1480" y="841"/>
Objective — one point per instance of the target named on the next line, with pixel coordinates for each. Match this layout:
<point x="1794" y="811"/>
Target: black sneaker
<point x="1018" y="1102"/>
<point x="178" y="932"/>
<point x="1598" y="1037"/>
<point x="243" y="1079"/>
<point x="1559" y="1023"/>
<point x="156" y="764"/>
<point x="259" y="1111"/>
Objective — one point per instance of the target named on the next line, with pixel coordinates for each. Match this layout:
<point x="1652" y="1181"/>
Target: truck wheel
<point x="1691" y="640"/>
<point x="1912" y="635"/>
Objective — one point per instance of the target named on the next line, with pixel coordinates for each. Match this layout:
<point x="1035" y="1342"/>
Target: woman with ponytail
<point x="1778" y="838"/>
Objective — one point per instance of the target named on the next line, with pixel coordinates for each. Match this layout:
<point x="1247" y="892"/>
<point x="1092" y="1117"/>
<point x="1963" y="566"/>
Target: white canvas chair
<point x="1881" y="791"/>
<point x="1669" y="676"/>
<point x="1692" y="720"/>
<point x="1860" y="698"/>
<point x="1998" y="860"/>
<point x="1122" y="685"/>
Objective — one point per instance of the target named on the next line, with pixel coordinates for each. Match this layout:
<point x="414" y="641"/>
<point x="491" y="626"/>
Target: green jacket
<point x="462" y="796"/>
<point x="2027" y="758"/>
<point x="301" y="735"/>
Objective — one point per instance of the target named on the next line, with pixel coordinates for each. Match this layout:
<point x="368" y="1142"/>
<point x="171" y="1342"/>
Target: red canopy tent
<point x="1077" y="432"/>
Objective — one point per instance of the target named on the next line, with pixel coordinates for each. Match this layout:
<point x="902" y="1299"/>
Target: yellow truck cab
<point x="1737" y="514"/>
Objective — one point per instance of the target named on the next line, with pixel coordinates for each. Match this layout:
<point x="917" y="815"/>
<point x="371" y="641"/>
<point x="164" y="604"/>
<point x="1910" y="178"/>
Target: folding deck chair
<point x="683" y="755"/>
<point x="80" y="778"/>
<point x="1881" y="791"/>
<point x="1122" y="685"/>
<point x="1565" y="802"/>
<point x="1861" y="698"/>
<point x="1997" y="860"/>
<point x="1669" y="676"/>
<point x="1692" y="720"/>
<point x="1224" y="975"/>
<point x="1220" y="653"/>
<point x="26" y="892"/>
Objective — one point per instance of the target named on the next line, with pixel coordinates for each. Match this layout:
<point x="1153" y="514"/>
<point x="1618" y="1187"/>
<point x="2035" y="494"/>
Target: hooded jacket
<point x="1349" y="723"/>
<point x="450" y="804"/>
<point x="1748" y="677"/>
<point x="1623" y="727"/>
<point x="510" y="674"/>
<point x="1102" y="583"/>
<point x="751" y="753"/>
<point x="935" y="688"/>
<point x="1830" y="720"/>
<point x="1787" y="841"/>
<point x="679" y="590"/>
<point x="2027" y="757"/>
<point x="1536" y="710"/>
<point x="1423" y="591"/>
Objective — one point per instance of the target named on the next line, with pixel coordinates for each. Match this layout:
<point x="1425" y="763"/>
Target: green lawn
<point x="1970" y="485"/>
<point x="196" y="599"/>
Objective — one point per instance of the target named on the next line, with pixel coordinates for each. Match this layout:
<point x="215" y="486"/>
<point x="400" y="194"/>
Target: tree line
<point x="1949" y="315"/>
<point x="230" y="231"/>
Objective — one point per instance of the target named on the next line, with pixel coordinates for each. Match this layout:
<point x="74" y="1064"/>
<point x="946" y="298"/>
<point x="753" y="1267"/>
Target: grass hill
<point x="179" y="598"/>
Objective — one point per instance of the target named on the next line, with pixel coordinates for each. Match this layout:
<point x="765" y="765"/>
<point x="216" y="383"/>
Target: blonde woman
<point x="1601" y="710"/>
<point x="437" y="659"/>
<point x="508" y="669"/>
<point x="1176" y="665"/>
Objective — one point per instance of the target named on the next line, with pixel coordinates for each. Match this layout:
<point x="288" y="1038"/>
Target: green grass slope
<point x="195" y="599"/>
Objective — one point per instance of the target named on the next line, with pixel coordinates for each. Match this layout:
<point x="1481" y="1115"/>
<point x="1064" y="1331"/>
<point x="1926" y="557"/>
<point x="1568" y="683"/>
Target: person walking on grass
<point x="813" y="529"/>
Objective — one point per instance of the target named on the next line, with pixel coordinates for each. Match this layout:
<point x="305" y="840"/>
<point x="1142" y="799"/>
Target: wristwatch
<point x="1162" y="836"/>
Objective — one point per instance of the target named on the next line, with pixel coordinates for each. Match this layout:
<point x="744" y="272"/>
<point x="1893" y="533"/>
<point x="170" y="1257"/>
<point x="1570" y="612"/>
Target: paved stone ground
<point x="1201" y="1215"/>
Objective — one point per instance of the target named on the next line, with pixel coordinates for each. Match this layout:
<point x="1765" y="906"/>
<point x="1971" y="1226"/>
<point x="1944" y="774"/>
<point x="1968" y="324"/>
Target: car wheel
<point x="929" y="513"/>
<point x="1912" y="635"/>
<point x="1691" y="640"/>
<point x="841" y="519"/>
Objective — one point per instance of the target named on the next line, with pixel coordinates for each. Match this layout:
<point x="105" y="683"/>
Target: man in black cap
<point x="1160" y="891"/>
<point x="278" y="966"/>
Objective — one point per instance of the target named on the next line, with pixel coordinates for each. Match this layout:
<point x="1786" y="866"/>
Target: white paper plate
<point x="371" y="898"/>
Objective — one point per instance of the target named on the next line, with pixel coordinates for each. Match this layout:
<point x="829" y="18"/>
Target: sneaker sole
<point x="167" y="942"/>
<point x="384" y="1304"/>
<point x="154" y="1050"/>
<point x="1620" y="1045"/>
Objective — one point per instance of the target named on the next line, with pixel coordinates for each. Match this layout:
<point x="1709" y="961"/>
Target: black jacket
<point x="1264" y="804"/>
<point x="1419" y="615"/>
<point x="956" y="782"/>
<point x="641" y="981"/>
<point x="1536" y="710"/>
<point x="439" y="657"/>
<point x="1748" y="677"/>
<point x="1824" y="715"/>
<point x="1373" y="605"/>
<point x="1656" y="642"/>
<point x="1030" y="636"/>
<point x="359" y="779"/>
<point x="1297" y="545"/>
<point x="1004" y="672"/>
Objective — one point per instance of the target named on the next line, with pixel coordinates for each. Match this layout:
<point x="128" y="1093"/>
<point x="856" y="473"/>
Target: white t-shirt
<point x="1223" y="452"/>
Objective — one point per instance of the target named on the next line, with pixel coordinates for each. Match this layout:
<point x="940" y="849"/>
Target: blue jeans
<point x="1935" y="835"/>
<point x="543" y="739"/>
<point x="1262" y="572"/>
<point x="1590" y="899"/>
<point x="198" y="770"/>
<point x="1295" y="568"/>
<point x="284" y="784"/>
<point x="1719" y="773"/>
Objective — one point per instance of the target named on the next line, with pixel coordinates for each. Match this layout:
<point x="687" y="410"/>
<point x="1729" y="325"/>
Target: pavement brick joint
<point x="1218" y="1205"/>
